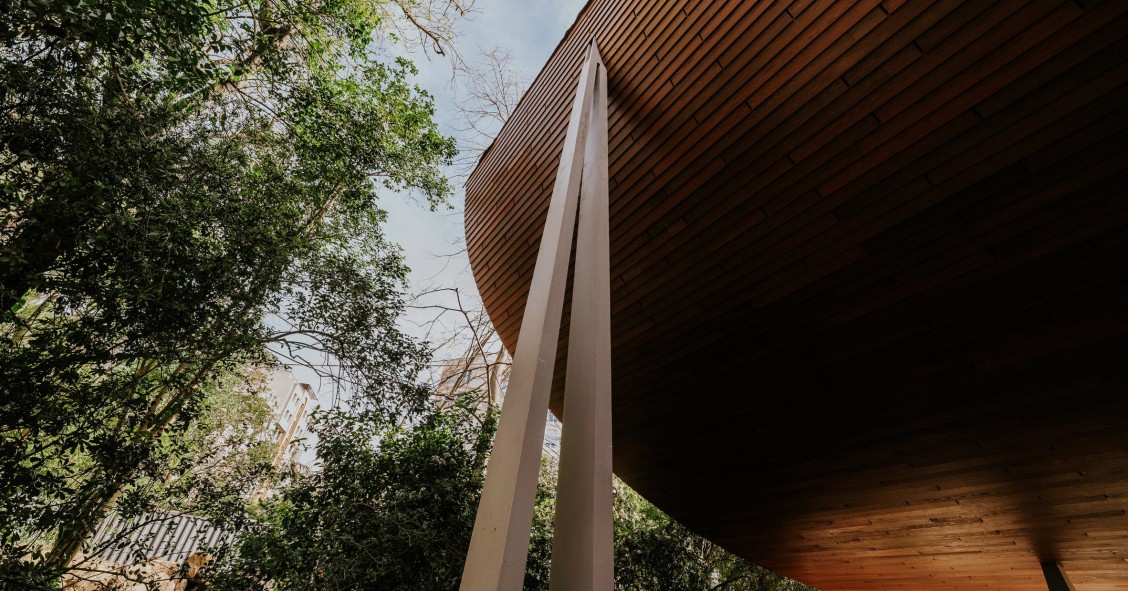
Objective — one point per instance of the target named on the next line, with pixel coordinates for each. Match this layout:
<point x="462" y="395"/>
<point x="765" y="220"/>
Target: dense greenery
<point x="652" y="551"/>
<point x="184" y="184"/>
<point x="208" y="468"/>
<point x="394" y="507"/>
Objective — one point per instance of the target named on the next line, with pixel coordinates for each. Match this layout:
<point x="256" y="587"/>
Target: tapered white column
<point x="500" y="543"/>
<point x="582" y="541"/>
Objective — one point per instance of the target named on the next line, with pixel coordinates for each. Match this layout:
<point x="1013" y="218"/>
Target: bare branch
<point x="490" y="89"/>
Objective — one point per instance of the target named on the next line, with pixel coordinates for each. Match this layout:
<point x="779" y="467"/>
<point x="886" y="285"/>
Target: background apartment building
<point x="292" y="402"/>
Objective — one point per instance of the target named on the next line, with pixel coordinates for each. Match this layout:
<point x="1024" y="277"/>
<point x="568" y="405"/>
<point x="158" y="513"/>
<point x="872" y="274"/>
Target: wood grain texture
<point x="869" y="271"/>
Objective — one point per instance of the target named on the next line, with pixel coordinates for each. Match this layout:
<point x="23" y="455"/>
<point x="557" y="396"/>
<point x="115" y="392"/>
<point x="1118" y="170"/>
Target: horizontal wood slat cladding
<point x="869" y="278"/>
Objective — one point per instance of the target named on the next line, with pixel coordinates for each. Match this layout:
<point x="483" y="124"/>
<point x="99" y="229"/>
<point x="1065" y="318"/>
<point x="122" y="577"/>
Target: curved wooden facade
<point x="869" y="267"/>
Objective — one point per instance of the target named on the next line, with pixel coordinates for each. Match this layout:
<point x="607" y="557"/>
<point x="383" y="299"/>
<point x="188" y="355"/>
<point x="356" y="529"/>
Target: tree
<point x="209" y="469"/>
<point x="491" y="88"/>
<point x="652" y="551"/>
<point x="468" y="346"/>
<point x="92" y="87"/>
<point x="392" y="508"/>
<point x="184" y="184"/>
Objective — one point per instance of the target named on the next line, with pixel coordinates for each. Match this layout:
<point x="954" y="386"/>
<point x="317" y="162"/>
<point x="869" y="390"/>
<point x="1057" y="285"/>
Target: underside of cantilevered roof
<point x="869" y="267"/>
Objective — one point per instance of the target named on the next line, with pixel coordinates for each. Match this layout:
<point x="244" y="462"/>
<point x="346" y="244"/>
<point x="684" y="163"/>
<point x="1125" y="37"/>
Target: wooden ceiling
<point x="869" y="278"/>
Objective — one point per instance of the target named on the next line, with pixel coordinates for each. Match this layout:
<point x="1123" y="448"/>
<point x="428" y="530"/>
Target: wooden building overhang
<point x="869" y="266"/>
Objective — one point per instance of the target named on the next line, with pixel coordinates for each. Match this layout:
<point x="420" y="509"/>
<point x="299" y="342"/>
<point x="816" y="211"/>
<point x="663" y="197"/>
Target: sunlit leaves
<point x="179" y="179"/>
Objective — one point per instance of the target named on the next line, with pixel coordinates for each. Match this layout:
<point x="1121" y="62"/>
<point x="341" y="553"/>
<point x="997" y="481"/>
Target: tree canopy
<point x="393" y="509"/>
<point x="184" y="185"/>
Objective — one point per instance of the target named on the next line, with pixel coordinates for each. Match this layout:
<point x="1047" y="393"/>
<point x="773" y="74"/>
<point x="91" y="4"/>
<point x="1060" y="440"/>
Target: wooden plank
<point x="947" y="274"/>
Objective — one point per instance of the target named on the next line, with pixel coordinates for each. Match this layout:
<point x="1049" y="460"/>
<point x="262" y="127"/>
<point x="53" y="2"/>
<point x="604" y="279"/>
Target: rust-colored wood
<point x="869" y="271"/>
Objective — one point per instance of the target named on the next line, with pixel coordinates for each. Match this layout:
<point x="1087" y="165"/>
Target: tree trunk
<point x="73" y="532"/>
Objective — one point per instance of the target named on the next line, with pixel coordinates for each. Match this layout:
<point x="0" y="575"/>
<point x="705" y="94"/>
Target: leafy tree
<point x="392" y="508"/>
<point x="209" y="468"/>
<point x="652" y="551"/>
<point x="93" y="89"/>
<point x="182" y="185"/>
<point x="215" y="460"/>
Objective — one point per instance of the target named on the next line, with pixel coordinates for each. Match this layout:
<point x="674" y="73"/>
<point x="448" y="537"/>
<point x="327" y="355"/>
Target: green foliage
<point x="652" y="551"/>
<point x="208" y="466"/>
<point x="540" y="538"/>
<point x="184" y="184"/>
<point x="392" y="508"/>
<point x="204" y="468"/>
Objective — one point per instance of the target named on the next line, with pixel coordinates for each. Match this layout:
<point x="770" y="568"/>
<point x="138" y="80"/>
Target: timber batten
<point x="869" y="267"/>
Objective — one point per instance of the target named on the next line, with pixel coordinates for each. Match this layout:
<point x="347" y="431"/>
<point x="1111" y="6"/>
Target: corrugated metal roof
<point x="164" y="536"/>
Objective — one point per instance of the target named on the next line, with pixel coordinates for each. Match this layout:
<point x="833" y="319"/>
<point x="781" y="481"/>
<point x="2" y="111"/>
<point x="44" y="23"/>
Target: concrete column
<point x="500" y="543"/>
<point x="582" y="541"/>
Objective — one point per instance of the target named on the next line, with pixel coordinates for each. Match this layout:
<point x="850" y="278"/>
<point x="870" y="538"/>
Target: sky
<point x="530" y="30"/>
<point x="432" y="241"/>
